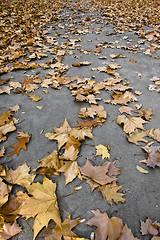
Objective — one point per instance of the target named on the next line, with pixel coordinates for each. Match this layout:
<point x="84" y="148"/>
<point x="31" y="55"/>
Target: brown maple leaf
<point x="152" y="155"/>
<point x="57" y="232"/>
<point x="98" y="174"/>
<point x="86" y="123"/>
<point x="12" y="205"/>
<point x="155" y="134"/>
<point x="150" y="228"/>
<point x="109" y="228"/>
<point x="10" y="230"/>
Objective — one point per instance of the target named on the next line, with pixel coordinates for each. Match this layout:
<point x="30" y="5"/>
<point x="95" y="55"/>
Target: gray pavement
<point x="141" y="190"/>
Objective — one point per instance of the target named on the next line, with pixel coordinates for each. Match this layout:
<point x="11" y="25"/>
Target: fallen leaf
<point x="102" y="150"/>
<point x="71" y="171"/>
<point x="152" y="155"/>
<point x="79" y="64"/>
<point x="45" y="200"/>
<point x="137" y="136"/>
<point x="20" y="145"/>
<point x="20" y="176"/>
<point x="10" y="230"/>
<point x="65" y="231"/>
<point x="2" y="151"/>
<point x="99" y="174"/>
<point x="142" y="170"/>
<point x="130" y="124"/>
<point x="150" y="228"/>
<point x="133" y="60"/>
<point x="14" y="108"/>
<point x="49" y="164"/>
<point x="35" y="98"/>
<point x="125" y="109"/>
<point x="109" y="228"/>
<point x="109" y="192"/>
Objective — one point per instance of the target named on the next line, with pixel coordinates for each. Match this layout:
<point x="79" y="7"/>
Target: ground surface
<point x="141" y="190"/>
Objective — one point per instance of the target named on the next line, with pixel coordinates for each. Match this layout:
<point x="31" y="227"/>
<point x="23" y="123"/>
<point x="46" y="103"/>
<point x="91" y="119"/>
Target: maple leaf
<point x="98" y="174"/>
<point x="4" y="192"/>
<point x="102" y="150"/>
<point x="109" y="228"/>
<point x="61" y="134"/>
<point x="109" y="192"/>
<point x="71" y="171"/>
<point x="155" y="134"/>
<point x="10" y="230"/>
<point x="138" y="136"/>
<point x="130" y="124"/>
<point x="152" y="155"/>
<point x="57" y="232"/>
<point x="49" y="164"/>
<point x="80" y="134"/>
<point x="20" y="145"/>
<point x="85" y="63"/>
<point x="12" y="205"/>
<point x="125" y="109"/>
<point x="123" y="98"/>
<point x="2" y="151"/>
<point x="5" y="118"/>
<point x="15" y="108"/>
<point x="150" y="228"/>
<point x="42" y="205"/>
<point x="8" y="127"/>
<point x="146" y="114"/>
<point x="20" y="176"/>
<point x="86" y="123"/>
<point x="70" y="153"/>
<point x="35" y="98"/>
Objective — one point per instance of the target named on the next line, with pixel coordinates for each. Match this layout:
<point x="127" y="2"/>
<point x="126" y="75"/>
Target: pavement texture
<point x="79" y="41"/>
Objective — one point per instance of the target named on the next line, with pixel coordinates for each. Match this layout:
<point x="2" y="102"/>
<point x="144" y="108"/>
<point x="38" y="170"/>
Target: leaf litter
<point x="16" y="45"/>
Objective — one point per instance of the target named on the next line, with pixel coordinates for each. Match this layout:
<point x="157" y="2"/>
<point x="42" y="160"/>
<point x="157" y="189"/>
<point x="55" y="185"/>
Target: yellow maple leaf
<point x="42" y="205"/>
<point x="102" y="150"/>
<point x="34" y="97"/>
<point x="109" y="192"/>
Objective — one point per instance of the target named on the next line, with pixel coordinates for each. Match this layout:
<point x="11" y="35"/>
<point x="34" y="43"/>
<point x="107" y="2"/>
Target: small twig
<point x="29" y="225"/>
<point x="88" y="144"/>
<point x="21" y="121"/>
<point x="67" y="195"/>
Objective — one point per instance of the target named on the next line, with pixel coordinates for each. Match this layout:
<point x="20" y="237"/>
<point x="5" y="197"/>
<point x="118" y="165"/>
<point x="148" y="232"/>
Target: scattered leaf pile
<point x="25" y="40"/>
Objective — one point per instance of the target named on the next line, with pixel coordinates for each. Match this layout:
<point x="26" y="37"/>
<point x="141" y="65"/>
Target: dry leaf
<point x="14" y="108"/>
<point x="102" y="150"/>
<point x="20" y="176"/>
<point x="35" y="98"/>
<point x="2" y="151"/>
<point x="57" y="232"/>
<point x="20" y="145"/>
<point x="109" y="192"/>
<point x="45" y="200"/>
<point x="137" y="136"/>
<point x="125" y="109"/>
<point x="152" y="155"/>
<point x="10" y="230"/>
<point x="130" y="124"/>
<point x="142" y="170"/>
